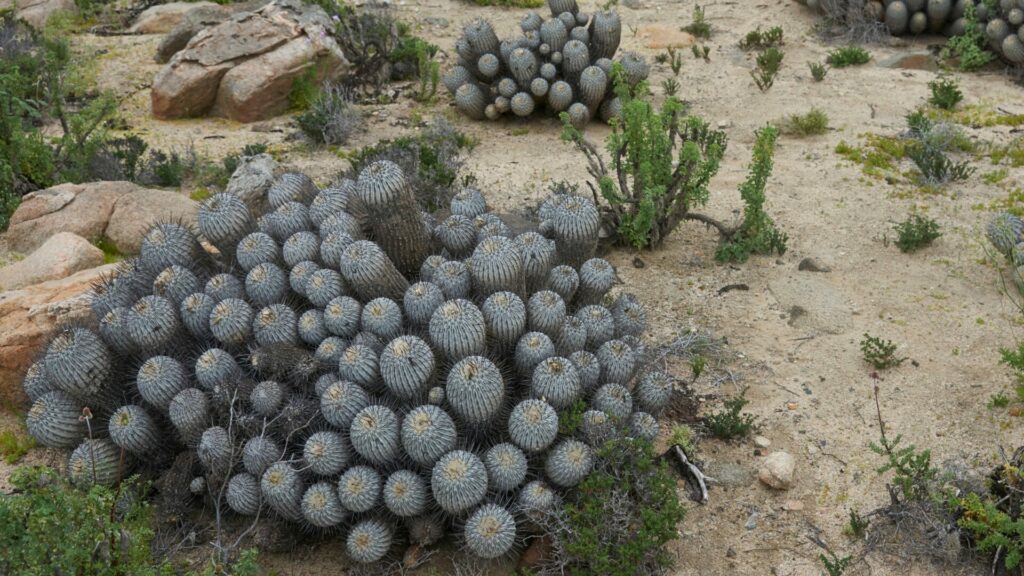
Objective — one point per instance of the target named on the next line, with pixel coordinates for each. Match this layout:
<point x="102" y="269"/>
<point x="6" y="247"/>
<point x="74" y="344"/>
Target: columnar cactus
<point x="384" y="192"/>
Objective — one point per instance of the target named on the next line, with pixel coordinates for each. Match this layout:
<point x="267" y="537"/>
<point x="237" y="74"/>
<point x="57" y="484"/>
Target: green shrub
<point x="15" y="444"/>
<point x="304" y="91"/>
<point x="699" y="28"/>
<point x="757" y="232"/>
<point x="731" y="423"/>
<point x="881" y="354"/>
<point x="818" y="70"/>
<point x="970" y="47"/>
<point x="49" y="527"/>
<point x="662" y="164"/>
<point x="768" y="64"/>
<point x="620" y="517"/>
<point x="935" y="167"/>
<point x="946" y="93"/>
<point x="813" y="123"/>
<point x="993" y="530"/>
<point x="760" y="40"/>
<point x="916" y="232"/>
<point x="848" y="56"/>
<point x="332" y="119"/>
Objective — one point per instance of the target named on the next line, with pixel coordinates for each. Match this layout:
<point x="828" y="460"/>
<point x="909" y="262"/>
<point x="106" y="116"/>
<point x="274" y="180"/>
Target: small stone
<point x="730" y="553"/>
<point x="751" y="521"/>
<point x="813" y="265"/>
<point x="793" y="505"/>
<point x="778" y="470"/>
<point x="762" y="442"/>
<point x="658" y="37"/>
<point x="791" y="405"/>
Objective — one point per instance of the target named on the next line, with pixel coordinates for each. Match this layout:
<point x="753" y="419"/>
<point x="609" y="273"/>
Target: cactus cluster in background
<point x="560" y="64"/>
<point x="1005" y="231"/>
<point x="1001" y="22"/>
<point x="345" y="360"/>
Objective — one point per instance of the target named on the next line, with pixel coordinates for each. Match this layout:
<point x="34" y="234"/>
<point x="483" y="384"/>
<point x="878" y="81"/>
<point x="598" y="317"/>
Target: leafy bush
<point x="431" y="160"/>
<point x="848" y="56"/>
<point x="731" y="422"/>
<point x="699" y="28"/>
<point x="760" y="40"/>
<point x="818" y="70"/>
<point x="49" y="527"/>
<point x="757" y="232"/>
<point x="662" y="163"/>
<point x="813" y="123"/>
<point x="331" y="119"/>
<point x="305" y="90"/>
<point x="879" y="353"/>
<point x="935" y="167"/>
<point x="916" y="232"/>
<point x="946" y="93"/>
<point x="970" y="48"/>
<point x="768" y="64"/>
<point x="620" y="516"/>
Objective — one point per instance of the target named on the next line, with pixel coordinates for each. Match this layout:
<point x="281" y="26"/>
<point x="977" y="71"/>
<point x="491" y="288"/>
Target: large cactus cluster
<point x="1002" y="20"/>
<point x="338" y="359"/>
<point x="1005" y="231"/>
<point x="560" y="64"/>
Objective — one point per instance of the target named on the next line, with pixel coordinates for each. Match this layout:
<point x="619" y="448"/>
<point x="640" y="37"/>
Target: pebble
<point x="751" y="521"/>
<point x="793" y="505"/>
<point x="762" y="442"/>
<point x="813" y="265"/>
<point x="778" y="470"/>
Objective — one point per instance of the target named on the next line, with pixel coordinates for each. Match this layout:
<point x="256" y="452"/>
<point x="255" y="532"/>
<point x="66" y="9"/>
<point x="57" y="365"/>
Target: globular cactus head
<point x="599" y="323"/>
<point x="475" y="390"/>
<point x="613" y="399"/>
<point x="175" y="283"/>
<point x="78" y="363"/>
<point x="490" y="531"/>
<point x="597" y="428"/>
<point x="531" y="350"/>
<point x="618" y="361"/>
<point x="342" y="316"/>
<point x="35" y="383"/>
<point x="589" y="369"/>
<point x="159" y="379"/>
<point x="258" y="453"/>
<point x="568" y="463"/>
<point x="374" y="434"/>
<point x="368" y="541"/>
<point x="533" y="425"/>
<point x="223" y="220"/>
<point x="321" y="507"/>
<point x="360" y="364"/>
<point x="458" y="481"/>
<point x="54" y="420"/>
<point x="326" y="453"/>
<point x="166" y="245"/>
<point x="407" y="367"/>
<point x="266" y="284"/>
<point x="406" y="494"/>
<point x="291" y="187"/>
<point x="555" y="380"/>
<point x="654" y="392"/>
<point x="281" y="488"/>
<point x="134" y="430"/>
<point x="243" y="494"/>
<point x="421" y="300"/>
<point x="275" y="324"/>
<point x="506" y="467"/>
<point x="231" y="321"/>
<point x="300" y="247"/>
<point x="457" y="330"/>
<point x="153" y="322"/>
<point x="257" y="248"/>
<point x="96" y="462"/>
<point x="643" y="425"/>
<point x="224" y="286"/>
<point x="323" y="286"/>
<point x="382" y="317"/>
<point x="1004" y="231"/>
<point x="359" y="488"/>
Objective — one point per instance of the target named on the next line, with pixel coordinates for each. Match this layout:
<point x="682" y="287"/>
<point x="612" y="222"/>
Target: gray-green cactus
<point x="458" y="481"/>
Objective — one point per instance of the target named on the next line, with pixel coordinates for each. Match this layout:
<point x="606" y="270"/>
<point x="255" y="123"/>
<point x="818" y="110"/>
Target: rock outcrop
<point x="62" y="255"/>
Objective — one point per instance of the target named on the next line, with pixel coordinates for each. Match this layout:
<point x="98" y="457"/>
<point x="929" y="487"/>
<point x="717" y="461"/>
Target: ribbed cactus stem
<point x="383" y="190"/>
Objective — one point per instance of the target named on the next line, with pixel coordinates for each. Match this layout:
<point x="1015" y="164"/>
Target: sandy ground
<point x="794" y="335"/>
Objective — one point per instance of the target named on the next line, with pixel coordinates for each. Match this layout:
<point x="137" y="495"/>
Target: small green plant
<point x="834" y="565"/>
<point x="857" y="525"/>
<point x="670" y="86"/>
<point x="1015" y="360"/>
<point x="757" y="232"/>
<point x="305" y="88"/>
<point x="912" y="470"/>
<point x="970" y="48"/>
<point x="768" y="64"/>
<point x="111" y="254"/>
<point x="429" y="74"/>
<point x="699" y="27"/>
<point x="628" y="487"/>
<point x="701" y="52"/>
<point x="934" y="166"/>
<point x="168" y="169"/>
<point x="818" y="70"/>
<point x="813" y="123"/>
<point x="570" y="420"/>
<point x="15" y="444"/>
<point x="916" y="232"/>
<point x="697" y="366"/>
<point x="730" y="422"/>
<point x="758" y="39"/>
<point x="675" y="60"/>
<point x="332" y="119"/>
<point x="848" y="56"/>
<point x="992" y="529"/>
<point x="880" y="354"/>
<point x="998" y="400"/>
<point x="946" y="93"/>
<point x="683" y="436"/>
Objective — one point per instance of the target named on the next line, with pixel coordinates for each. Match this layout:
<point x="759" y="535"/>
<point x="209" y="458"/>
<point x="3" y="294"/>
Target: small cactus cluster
<point x="1002" y="21"/>
<point x="1005" y="232"/>
<point x="562" y="64"/>
<point x="407" y="384"/>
